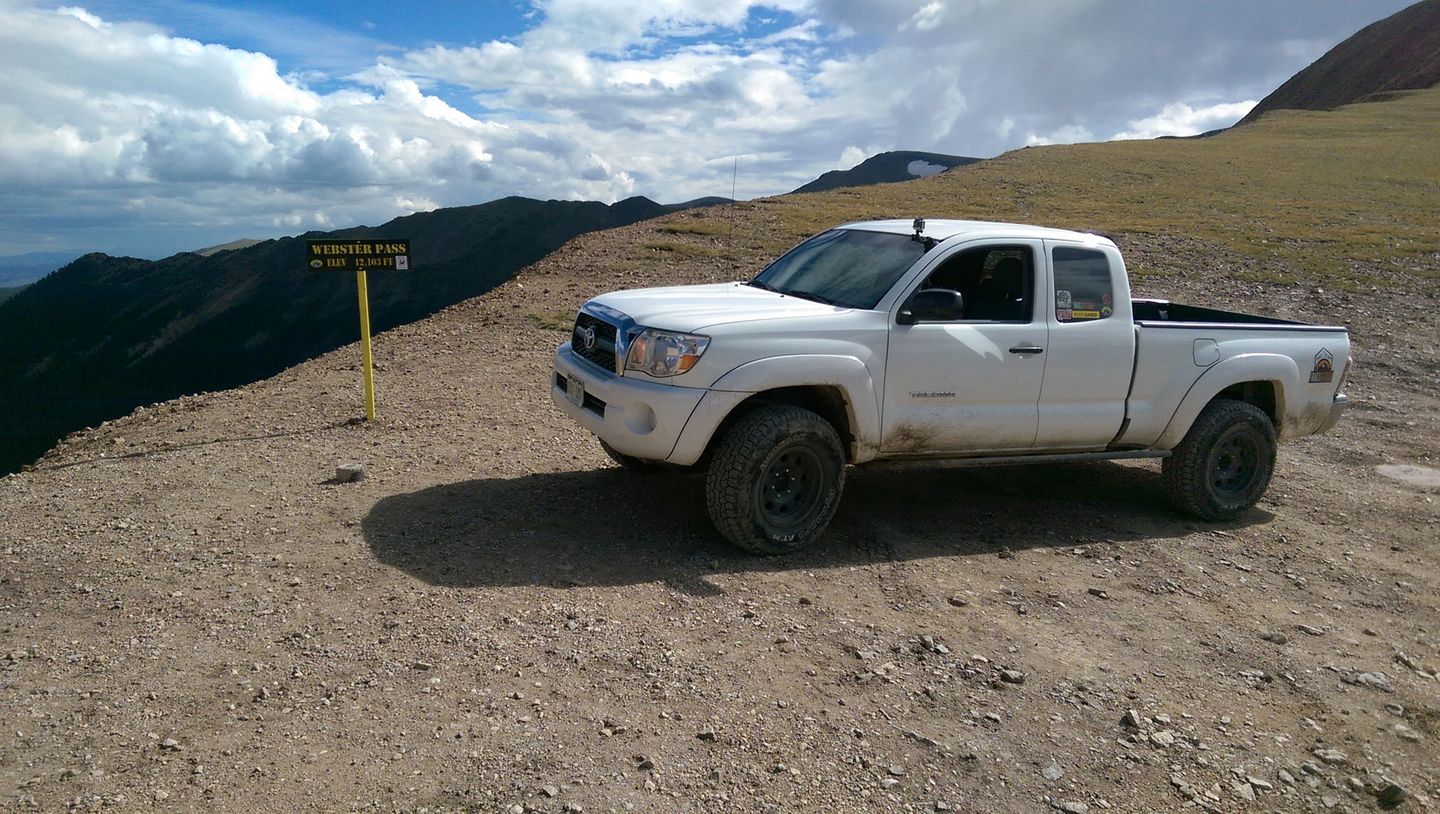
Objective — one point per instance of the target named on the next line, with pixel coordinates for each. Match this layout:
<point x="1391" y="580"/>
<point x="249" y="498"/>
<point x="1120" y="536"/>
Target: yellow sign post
<point x="365" y="344"/>
<point x="359" y="255"/>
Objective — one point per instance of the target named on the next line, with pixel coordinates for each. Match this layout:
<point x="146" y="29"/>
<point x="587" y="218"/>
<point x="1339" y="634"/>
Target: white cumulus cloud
<point x="1180" y="119"/>
<point x="129" y="137"/>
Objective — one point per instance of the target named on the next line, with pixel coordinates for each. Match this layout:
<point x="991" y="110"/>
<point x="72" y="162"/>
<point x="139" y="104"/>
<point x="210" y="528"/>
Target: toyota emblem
<point x="587" y="337"/>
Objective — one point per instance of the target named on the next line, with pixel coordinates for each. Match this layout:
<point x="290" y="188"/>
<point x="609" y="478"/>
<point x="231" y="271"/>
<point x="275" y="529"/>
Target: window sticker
<point x="1084" y="291"/>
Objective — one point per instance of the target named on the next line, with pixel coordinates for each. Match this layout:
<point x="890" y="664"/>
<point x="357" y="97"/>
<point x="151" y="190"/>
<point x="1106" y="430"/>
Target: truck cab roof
<point x="942" y="230"/>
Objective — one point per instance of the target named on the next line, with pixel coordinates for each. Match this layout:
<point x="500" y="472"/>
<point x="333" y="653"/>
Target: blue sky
<point x="152" y="127"/>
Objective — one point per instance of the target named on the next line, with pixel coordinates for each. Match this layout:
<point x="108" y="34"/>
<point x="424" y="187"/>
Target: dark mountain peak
<point x="887" y="168"/>
<point x="638" y="206"/>
<point x="1400" y="52"/>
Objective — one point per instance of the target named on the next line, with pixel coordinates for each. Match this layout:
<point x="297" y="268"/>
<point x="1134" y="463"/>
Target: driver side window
<point x="996" y="282"/>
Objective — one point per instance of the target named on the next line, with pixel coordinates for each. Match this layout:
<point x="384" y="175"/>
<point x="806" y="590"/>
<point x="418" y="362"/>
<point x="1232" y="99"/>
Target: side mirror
<point x="932" y="305"/>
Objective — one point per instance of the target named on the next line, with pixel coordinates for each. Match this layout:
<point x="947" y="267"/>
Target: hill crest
<point x="1400" y="52"/>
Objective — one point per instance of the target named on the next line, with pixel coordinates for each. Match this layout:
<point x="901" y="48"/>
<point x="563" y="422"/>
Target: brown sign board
<point x="378" y="254"/>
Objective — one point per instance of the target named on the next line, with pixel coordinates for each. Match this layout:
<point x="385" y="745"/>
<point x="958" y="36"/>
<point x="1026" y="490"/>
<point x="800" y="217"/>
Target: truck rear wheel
<point x="1224" y="464"/>
<point x="775" y="480"/>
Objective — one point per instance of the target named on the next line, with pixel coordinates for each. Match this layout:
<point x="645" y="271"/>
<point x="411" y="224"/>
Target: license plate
<point x="575" y="391"/>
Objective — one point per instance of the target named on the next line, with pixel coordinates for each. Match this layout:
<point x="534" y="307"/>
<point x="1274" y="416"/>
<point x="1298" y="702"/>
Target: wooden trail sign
<point x="359" y="256"/>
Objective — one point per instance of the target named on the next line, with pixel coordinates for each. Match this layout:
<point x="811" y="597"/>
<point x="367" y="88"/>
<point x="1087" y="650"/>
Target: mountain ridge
<point x="103" y="334"/>
<point x="1400" y="52"/>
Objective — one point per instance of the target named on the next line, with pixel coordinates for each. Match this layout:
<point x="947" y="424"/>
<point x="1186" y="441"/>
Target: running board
<point x="1011" y="460"/>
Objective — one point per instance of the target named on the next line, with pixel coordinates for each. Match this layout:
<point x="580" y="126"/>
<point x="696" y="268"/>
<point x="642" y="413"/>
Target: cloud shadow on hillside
<point x="612" y="527"/>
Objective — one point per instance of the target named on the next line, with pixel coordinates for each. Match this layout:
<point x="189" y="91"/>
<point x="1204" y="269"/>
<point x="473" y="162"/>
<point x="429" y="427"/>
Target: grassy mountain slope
<point x="1400" y="52"/>
<point x="1344" y="197"/>
<point x="106" y="334"/>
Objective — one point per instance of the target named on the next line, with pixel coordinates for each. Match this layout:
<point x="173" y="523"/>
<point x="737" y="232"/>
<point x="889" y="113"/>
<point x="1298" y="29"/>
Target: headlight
<point x="664" y="353"/>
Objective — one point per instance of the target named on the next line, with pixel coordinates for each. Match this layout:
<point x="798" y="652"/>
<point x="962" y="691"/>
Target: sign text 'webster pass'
<point x="358" y="255"/>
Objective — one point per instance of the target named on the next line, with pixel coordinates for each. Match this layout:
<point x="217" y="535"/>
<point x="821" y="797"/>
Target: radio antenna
<point x="734" y="173"/>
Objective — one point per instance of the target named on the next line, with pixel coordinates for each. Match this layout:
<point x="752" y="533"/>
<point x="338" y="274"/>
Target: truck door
<point x="1092" y="347"/>
<point x="969" y="380"/>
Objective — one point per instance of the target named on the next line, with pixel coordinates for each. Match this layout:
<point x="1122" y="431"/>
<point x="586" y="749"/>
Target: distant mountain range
<point x="104" y="334"/>
<point x="886" y="168"/>
<point x="23" y="269"/>
<point x="1400" y="52"/>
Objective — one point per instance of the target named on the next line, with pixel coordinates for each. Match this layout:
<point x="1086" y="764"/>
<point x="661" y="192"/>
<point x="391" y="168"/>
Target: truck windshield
<point x="844" y="267"/>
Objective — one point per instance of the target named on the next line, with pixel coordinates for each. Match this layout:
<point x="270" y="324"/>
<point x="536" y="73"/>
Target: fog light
<point x="639" y="418"/>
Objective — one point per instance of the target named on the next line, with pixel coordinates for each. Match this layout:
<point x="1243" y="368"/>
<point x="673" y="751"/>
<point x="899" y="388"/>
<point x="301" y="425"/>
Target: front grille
<point x="594" y="340"/>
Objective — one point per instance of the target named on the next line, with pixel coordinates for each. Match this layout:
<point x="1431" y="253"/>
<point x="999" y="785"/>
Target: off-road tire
<point x="1224" y="464"/>
<point x="630" y="463"/>
<point x="775" y="479"/>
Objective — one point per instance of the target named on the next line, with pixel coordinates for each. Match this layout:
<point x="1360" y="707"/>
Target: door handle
<point x="1028" y="350"/>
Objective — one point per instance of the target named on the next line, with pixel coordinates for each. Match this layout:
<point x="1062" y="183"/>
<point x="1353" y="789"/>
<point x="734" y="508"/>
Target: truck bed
<point x="1177" y="345"/>
<point x="1163" y="313"/>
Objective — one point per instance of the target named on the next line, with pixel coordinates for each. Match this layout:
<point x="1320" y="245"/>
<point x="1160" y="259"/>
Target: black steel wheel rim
<point x="790" y="487"/>
<point x="1235" y="462"/>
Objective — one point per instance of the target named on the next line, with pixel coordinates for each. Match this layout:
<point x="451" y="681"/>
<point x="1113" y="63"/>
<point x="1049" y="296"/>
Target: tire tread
<point x="728" y="482"/>
<point x="1183" y="471"/>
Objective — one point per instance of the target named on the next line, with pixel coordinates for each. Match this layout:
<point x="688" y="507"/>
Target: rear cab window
<point x="1084" y="286"/>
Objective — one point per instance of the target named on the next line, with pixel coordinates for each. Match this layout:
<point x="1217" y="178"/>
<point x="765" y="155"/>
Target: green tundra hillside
<point x="1344" y="197"/>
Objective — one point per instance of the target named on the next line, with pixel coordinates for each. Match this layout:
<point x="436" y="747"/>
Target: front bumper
<point x="638" y="418"/>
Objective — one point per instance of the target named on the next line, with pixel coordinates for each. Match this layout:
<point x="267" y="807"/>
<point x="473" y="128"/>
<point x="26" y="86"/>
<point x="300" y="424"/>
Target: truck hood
<point x="694" y="307"/>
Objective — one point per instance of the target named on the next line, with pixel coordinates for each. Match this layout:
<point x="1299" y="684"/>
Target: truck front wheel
<point x="1223" y="466"/>
<point x="775" y="480"/>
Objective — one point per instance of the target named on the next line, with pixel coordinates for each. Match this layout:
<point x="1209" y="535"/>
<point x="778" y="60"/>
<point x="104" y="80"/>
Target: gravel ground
<point x="197" y="616"/>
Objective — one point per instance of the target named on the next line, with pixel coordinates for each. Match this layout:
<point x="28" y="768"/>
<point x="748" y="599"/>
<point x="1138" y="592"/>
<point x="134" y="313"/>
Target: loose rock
<point x="1392" y="795"/>
<point x="1334" y="757"/>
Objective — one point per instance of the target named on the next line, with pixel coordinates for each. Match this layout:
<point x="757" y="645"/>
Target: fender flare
<point x="1278" y="369"/>
<point x="848" y="373"/>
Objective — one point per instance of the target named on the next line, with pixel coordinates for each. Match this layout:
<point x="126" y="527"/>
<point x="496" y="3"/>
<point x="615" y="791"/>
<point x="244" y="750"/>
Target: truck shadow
<point x="611" y="527"/>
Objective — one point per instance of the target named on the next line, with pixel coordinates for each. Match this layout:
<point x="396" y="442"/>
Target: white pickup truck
<point x="958" y="341"/>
